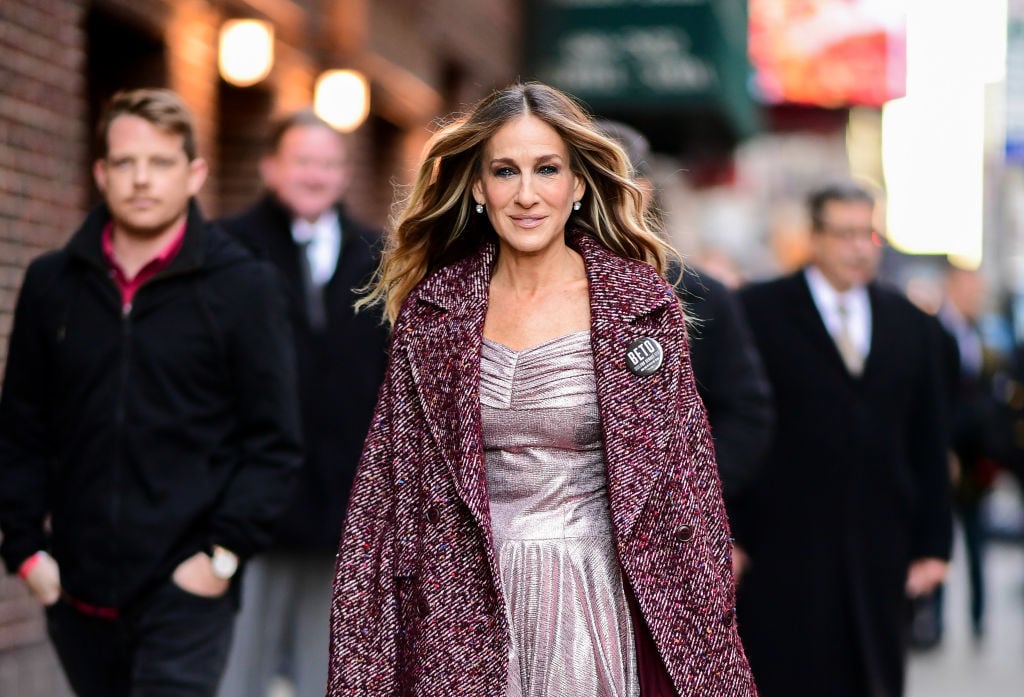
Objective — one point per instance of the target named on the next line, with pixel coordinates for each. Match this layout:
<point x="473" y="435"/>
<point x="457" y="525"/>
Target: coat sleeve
<point x="262" y="359"/>
<point x="732" y="383"/>
<point x="364" y="613"/>
<point x="23" y="436"/>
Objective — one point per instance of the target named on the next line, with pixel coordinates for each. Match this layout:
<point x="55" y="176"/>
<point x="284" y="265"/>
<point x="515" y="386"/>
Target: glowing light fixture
<point x="342" y="99"/>
<point x="933" y="140"/>
<point x="246" y="52"/>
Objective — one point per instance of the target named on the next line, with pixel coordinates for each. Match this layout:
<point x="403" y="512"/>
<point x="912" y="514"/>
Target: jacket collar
<point x="86" y="243"/>
<point x="637" y="413"/>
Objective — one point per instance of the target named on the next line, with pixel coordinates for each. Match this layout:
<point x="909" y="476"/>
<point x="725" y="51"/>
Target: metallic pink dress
<point x="570" y="623"/>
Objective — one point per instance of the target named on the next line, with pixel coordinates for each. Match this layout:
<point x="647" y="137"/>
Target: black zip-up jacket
<point x="147" y="432"/>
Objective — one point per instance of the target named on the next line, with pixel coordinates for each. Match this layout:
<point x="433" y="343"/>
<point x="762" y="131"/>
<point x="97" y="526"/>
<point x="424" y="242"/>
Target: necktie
<point x="844" y="342"/>
<point x="314" y="292"/>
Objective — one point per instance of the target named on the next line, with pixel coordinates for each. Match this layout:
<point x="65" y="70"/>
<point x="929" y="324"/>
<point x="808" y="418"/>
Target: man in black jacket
<point x="149" y="414"/>
<point x="323" y="256"/>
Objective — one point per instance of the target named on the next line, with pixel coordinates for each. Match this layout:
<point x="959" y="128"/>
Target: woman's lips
<point x="528" y="221"/>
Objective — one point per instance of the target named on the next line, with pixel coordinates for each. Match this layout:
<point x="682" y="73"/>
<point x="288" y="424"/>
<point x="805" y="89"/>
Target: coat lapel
<point x="639" y="415"/>
<point x="445" y="358"/>
<point x="881" y="325"/>
<point x="806" y="313"/>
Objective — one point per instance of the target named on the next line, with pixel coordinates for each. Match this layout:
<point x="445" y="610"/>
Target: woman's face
<point x="527" y="186"/>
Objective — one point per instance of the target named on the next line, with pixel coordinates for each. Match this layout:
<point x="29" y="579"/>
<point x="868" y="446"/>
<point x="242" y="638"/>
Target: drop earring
<point x="479" y="208"/>
<point x="576" y="205"/>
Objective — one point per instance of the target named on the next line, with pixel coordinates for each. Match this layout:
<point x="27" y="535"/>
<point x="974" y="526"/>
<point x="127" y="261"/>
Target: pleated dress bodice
<point x="551" y="523"/>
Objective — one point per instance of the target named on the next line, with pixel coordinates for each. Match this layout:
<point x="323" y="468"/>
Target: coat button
<point x="685" y="533"/>
<point x="433" y="516"/>
<point x="728" y="617"/>
<point x="423" y="606"/>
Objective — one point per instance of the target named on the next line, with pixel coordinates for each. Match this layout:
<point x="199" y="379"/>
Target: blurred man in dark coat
<point x="323" y="256"/>
<point x="851" y="512"/>
<point x="970" y="367"/>
<point x="730" y="378"/>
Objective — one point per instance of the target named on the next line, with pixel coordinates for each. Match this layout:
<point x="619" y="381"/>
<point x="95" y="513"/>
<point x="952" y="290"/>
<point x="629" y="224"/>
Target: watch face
<point x="224" y="564"/>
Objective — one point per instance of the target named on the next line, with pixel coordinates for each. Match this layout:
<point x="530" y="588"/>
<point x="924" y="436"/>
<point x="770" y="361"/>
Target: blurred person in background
<point x="970" y="367"/>
<point x="851" y="513"/>
<point x="537" y="510"/>
<point x="726" y="367"/>
<point x="323" y="255"/>
<point x="149" y="412"/>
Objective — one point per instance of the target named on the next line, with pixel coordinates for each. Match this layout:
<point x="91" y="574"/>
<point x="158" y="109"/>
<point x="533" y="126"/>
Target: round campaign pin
<point x="644" y="356"/>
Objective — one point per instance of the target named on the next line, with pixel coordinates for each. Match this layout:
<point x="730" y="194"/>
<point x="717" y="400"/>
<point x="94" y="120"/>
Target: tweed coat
<point x="418" y="606"/>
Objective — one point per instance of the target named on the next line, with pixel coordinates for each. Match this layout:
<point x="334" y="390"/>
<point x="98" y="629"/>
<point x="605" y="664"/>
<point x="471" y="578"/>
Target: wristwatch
<point x="224" y="562"/>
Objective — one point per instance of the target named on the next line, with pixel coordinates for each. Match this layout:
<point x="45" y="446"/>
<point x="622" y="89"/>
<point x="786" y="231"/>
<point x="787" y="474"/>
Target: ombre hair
<point x="435" y="224"/>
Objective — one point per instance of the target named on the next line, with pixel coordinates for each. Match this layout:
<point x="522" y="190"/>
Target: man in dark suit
<point x="323" y="257"/>
<point x="851" y="514"/>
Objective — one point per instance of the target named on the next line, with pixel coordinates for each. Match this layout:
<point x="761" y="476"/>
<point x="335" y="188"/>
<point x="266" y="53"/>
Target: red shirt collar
<point x="129" y="286"/>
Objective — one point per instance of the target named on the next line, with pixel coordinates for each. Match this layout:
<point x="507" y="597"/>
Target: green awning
<point x="647" y="61"/>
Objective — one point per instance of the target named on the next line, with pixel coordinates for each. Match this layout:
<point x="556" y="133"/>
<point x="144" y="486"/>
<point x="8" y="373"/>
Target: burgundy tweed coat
<point x="418" y="606"/>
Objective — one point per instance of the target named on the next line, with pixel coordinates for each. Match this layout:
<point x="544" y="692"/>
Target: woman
<point x="537" y="510"/>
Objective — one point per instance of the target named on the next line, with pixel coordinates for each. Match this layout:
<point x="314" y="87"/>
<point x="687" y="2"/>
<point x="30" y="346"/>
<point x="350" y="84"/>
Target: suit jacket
<point x="418" y="606"/>
<point x="855" y="487"/>
<point x="340" y="369"/>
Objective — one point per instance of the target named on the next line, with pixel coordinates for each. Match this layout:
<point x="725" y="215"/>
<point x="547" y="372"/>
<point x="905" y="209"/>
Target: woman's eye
<point x="504" y="172"/>
<point x="548" y="169"/>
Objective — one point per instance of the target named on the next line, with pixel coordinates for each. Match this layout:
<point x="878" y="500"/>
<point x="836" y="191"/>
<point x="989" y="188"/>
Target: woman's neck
<point x="528" y="275"/>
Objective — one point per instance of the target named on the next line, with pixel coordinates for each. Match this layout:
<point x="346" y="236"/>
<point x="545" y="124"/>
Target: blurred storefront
<point x="61" y="59"/>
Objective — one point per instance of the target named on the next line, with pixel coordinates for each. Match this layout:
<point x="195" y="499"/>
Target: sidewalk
<point x="993" y="667"/>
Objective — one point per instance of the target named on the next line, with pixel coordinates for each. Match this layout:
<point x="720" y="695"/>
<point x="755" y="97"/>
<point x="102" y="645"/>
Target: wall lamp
<point x="246" y="51"/>
<point x="342" y="99"/>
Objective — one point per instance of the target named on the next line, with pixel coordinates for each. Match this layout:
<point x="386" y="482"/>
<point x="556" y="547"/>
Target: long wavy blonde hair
<point x="435" y="224"/>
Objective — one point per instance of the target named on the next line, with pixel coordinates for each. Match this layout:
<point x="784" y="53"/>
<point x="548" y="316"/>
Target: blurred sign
<point x="644" y="55"/>
<point x="1014" y="147"/>
<point x="831" y="53"/>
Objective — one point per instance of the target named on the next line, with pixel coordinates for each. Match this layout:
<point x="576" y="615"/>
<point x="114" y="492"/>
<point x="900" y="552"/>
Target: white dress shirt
<point x="858" y="309"/>
<point x="323" y="244"/>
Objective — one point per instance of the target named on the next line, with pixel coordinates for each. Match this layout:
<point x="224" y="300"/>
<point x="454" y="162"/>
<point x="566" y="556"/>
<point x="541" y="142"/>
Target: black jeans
<point x="170" y="644"/>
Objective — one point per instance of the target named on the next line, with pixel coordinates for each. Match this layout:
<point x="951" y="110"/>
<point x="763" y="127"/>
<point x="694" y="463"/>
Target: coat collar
<point x="627" y="302"/>
<point x="86" y="243"/>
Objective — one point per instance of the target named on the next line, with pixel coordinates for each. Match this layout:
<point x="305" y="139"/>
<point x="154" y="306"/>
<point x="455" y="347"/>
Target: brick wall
<point x="43" y="152"/>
